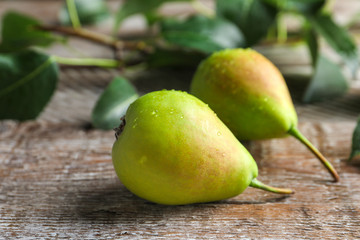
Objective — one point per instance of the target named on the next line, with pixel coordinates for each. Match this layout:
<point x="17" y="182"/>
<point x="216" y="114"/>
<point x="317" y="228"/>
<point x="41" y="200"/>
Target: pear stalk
<point x="298" y="135"/>
<point x="257" y="184"/>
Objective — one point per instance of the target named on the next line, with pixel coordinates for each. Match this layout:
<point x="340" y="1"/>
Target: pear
<point x="172" y="149"/>
<point x="250" y="96"/>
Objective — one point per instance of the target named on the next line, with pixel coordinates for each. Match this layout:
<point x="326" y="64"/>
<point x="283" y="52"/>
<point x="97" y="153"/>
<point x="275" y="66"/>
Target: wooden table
<point x="57" y="179"/>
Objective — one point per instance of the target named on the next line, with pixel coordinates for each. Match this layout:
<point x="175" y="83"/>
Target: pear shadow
<point x="325" y="182"/>
<point x="275" y="199"/>
<point x="297" y="85"/>
<point x="114" y="204"/>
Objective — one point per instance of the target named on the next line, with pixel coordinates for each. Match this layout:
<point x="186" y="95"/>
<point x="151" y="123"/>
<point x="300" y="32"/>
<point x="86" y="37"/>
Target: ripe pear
<point x="250" y="96"/>
<point x="172" y="149"/>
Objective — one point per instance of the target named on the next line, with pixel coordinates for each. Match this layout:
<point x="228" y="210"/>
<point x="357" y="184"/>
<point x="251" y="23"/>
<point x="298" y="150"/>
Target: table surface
<point x="57" y="179"/>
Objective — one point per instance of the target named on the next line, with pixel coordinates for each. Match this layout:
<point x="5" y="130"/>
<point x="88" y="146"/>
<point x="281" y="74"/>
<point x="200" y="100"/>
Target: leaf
<point x="19" y="32"/>
<point x="337" y="37"/>
<point x="328" y="82"/>
<point x="302" y="6"/>
<point x="89" y="12"/>
<point x="131" y="7"/>
<point x="312" y="42"/>
<point x="174" y="58"/>
<point x="253" y="17"/>
<point x="113" y="103"/>
<point x="355" y="150"/>
<point x="203" y="34"/>
<point x="27" y="82"/>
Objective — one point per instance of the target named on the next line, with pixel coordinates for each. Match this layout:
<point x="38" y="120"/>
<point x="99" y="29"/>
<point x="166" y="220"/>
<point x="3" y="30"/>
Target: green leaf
<point x="312" y="43"/>
<point x="253" y="17"/>
<point x="19" y="32"/>
<point x="338" y="38"/>
<point x="174" y="58"/>
<point x="89" y="12"/>
<point x="113" y="103"/>
<point x="27" y="82"/>
<point x="203" y="34"/>
<point x="131" y="7"/>
<point x="328" y="82"/>
<point x="355" y="150"/>
<point x="302" y="6"/>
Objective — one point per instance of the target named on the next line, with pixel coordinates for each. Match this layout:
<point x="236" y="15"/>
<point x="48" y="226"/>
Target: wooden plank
<point x="57" y="181"/>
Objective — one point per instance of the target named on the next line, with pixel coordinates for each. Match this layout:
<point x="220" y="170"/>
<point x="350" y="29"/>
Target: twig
<point x="84" y="34"/>
<point x="99" y="62"/>
<point x="281" y="28"/>
<point x="97" y="38"/>
<point x="74" y="17"/>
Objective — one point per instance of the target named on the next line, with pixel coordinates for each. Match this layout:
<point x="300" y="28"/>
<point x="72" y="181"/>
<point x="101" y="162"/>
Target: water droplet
<point x="181" y="116"/>
<point x="134" y="126"/>
<point x="171" y="111"/>
<point x="219" y="133"/>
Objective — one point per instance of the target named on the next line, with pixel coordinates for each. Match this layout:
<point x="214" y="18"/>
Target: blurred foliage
<point x="89" y="12"/>
<point x="28" y="77"/>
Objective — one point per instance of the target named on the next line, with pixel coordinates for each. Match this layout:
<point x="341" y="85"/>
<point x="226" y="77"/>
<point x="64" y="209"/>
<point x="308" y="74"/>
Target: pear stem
<point x="257" y="184"/>
<point x="298" y="135"/>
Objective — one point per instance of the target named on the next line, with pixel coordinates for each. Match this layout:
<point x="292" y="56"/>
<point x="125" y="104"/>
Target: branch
<point x="96" y="37"/>
<point x="99" y="62"/>
<point x="74" y="17"/>
<point x="84" y="34"/>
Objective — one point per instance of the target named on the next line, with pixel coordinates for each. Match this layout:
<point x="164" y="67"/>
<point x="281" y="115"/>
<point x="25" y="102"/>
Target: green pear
<point x="172" y="149"/>
<point x="250" y="96"/>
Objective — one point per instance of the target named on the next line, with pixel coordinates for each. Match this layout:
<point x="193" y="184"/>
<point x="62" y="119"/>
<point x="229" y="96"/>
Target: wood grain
<point x="57" y="181"/>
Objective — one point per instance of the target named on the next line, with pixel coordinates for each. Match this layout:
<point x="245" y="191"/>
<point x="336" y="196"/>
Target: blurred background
<point x="283" y="31"/>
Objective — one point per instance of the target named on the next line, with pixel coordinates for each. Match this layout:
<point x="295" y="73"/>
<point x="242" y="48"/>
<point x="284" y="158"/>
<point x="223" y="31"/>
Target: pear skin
<point x="247" y="92"/>
<point x="250" y="95"/>
<point x="174" y="150"/>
